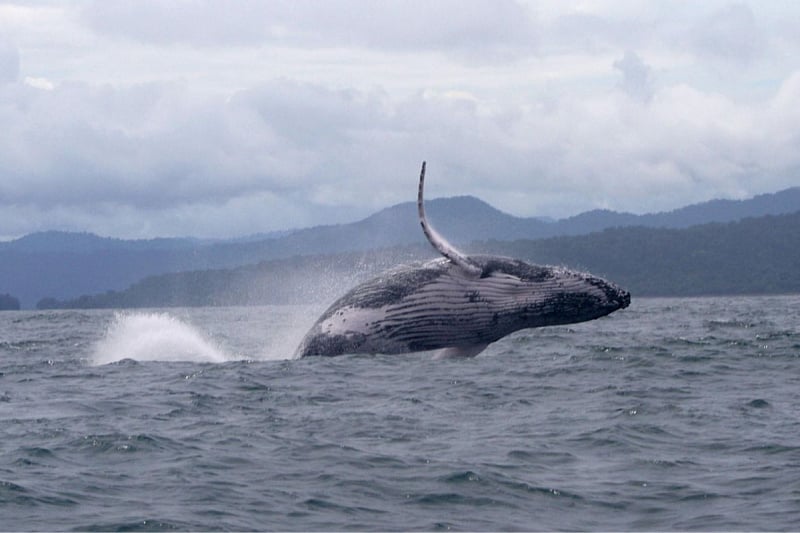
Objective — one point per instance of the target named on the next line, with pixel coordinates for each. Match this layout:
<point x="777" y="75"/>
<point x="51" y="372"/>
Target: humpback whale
<point x="457" y="304"/>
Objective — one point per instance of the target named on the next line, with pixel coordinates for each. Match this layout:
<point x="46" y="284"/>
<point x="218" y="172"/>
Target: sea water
<point x="678" y="414"/>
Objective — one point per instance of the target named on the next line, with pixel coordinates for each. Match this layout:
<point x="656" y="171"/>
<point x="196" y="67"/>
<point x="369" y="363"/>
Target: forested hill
<point x="752" y="256"/>
<point x="65" y="265"/>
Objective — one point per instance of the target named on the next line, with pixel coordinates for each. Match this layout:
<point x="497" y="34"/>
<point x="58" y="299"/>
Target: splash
<point x="155" y="337"/>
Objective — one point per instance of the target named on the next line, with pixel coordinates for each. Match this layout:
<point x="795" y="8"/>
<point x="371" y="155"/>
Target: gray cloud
<point x="152" y="159"/>
<point x="546" y="135"/>
<point x="637" y="77"/>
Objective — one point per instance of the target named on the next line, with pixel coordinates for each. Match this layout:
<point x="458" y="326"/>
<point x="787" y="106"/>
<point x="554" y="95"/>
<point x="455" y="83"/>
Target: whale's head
<point x="534" y="295"/>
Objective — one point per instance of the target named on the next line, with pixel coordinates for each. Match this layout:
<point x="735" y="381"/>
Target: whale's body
<point x="458" y="304"/>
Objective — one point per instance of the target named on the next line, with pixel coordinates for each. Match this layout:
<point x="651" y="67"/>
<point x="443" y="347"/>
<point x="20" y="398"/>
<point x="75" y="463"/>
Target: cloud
<point x="199" y="23"/>
<point x="730" y="34"/>
<point x="637" y="78"/>
<point x="143" y="145"/>
<point x="465" y="28"/>
<point x="155" y="159"/>
<point x="40" y="83"/>
<point x="161" y="151"/>
<point x="9" y="62"/>
<point x="171" y="118"/>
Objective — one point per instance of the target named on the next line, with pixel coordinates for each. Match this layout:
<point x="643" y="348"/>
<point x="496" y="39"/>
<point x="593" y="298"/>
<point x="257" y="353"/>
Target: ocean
<point x="673" y="414"/>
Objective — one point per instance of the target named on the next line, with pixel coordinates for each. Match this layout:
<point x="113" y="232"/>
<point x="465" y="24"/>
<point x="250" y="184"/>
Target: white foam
<point x="155" y="337"/>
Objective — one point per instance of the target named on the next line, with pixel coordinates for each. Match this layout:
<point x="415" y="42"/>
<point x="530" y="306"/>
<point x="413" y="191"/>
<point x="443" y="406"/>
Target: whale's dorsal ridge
<point x="440" y="243"/>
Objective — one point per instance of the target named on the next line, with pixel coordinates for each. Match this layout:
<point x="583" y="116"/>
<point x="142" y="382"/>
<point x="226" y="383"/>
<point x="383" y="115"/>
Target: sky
<point x="149" y="118"/>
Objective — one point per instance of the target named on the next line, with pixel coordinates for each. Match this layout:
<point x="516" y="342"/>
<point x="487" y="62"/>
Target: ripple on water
<point x="671" y="416"/>
<point x="18" y="495"/>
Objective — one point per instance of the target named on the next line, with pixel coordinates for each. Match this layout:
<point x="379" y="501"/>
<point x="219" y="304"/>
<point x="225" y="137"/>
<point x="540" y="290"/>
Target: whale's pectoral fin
<point x="460" y="352"/>
<point x="439" y="242"/>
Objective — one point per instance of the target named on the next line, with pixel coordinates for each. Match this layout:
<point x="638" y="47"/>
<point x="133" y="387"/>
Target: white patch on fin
<point x="439" y="242"/>
<point x="460" y="352"/>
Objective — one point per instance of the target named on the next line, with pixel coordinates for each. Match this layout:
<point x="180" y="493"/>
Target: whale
<point x="456" y="304"/>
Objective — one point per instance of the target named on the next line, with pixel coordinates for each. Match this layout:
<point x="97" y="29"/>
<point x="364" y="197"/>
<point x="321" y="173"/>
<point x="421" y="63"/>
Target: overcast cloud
<point x="216" y="119"/>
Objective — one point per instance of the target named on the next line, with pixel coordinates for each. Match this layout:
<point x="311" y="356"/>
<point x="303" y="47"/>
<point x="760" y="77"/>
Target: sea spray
<point x="155" y="336"/>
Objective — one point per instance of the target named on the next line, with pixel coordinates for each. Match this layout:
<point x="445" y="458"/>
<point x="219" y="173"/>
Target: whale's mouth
<point x="624" y="299"/>
<point x="615" y="297"/>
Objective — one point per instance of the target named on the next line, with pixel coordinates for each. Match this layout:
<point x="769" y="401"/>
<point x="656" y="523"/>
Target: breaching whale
<point x="457" y="304"/>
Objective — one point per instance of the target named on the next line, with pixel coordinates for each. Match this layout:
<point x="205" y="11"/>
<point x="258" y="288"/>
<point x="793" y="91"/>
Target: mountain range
<point x="61" y="265"/>
<point x="759" y="255"/>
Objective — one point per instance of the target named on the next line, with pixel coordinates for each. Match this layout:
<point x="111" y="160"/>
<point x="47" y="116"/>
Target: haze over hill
<point x="66" y="265"/>
<point x="758" y="255"/>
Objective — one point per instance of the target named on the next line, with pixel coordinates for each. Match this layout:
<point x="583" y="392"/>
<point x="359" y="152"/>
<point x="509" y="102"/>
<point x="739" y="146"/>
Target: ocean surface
<point x="673" y="414"/>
